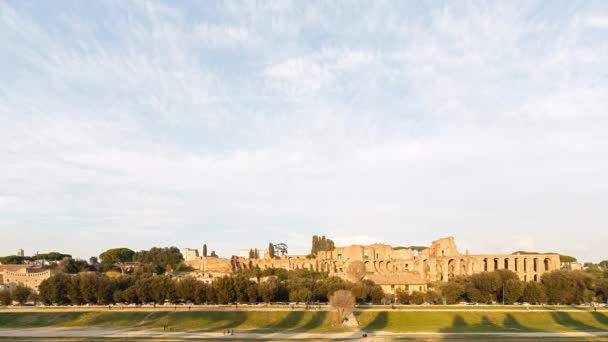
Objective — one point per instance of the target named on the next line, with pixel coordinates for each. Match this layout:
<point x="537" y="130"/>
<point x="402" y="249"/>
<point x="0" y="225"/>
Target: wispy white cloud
<point x="384" y="122"/>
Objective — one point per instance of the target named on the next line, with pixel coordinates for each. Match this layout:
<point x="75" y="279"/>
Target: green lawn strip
<point x="482" y="321"/>
<point x="263" y="321"/>
<point x="479" y="307"/>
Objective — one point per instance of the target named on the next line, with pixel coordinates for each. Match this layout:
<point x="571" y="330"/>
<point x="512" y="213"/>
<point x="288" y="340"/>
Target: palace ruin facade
<point x="439" y="262"/>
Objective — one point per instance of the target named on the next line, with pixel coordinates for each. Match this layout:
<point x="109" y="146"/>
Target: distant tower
<point x="20" y="252"/>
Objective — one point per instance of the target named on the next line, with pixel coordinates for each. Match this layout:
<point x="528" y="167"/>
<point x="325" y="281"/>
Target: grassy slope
<point x="203" y="321"/>
<point x="482" y="321"/>
<point x="318" y="321"/>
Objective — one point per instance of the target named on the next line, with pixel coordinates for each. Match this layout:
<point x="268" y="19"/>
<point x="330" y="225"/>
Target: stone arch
<point x="451" y="268"/>
<point x="389" y="266"/>
<point x="463" y="267"/>
<point x="525" y="264"/>
<point x="547" y="264"/>
<point x="496" y="263"/>
<point x="535" y="267"/>
<point x="515" y="264"/>
<point x="536" y="277"/>
<point x="485" y="264"/>
<point x="368" y="266"/>
<point x="380" y="266"/>
<point x="506" y="263"/>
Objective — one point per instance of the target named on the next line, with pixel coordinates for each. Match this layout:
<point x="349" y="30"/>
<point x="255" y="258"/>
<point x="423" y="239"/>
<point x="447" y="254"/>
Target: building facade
<point x="439" y="262"/>
<point x="30" y="276"/>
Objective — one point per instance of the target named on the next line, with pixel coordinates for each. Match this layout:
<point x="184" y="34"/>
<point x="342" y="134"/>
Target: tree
<point x="252" y="293"/>
<point x="186" y="289"/>
<point x="376" y="294"/>
<point x="251" y="255"/>
<point x="271" y="250"/>
<point x="453" y="292"/>
<point x="403" y="296"/>
<point x="268" y="290"/>
<point x="5" y="297"/>
<point x="604" y="264"/>
<point x="54" y="290"/>
<point x="118" y="257"/>
<point x="567" y="287"/>
<point x="601" y="289"/>
<point x="343" y="302"/>
<point x="513" y="291"/>
<point x="21" y="294"/>
<point x="13" y="259"/>
<point x="205" y="250"/>
<point x="69" y="265"/>
<point x="534" y="293"/>
<point x="160" y="260"/>
<point x="320" y="244"/>
<point x="224" y="290"/>
<point x="281" y="248"/>
<point x="417" y="298"/>
<point x="213" y="255"/>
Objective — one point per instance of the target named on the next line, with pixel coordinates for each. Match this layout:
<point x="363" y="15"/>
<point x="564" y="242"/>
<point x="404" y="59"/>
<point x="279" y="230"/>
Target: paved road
<point x="133" y="333"/>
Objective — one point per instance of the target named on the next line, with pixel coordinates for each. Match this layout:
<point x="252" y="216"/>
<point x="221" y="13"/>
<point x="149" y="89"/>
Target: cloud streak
<point x="145" y="123"/>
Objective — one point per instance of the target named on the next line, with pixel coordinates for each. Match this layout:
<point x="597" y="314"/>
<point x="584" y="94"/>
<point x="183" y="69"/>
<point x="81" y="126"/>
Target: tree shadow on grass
<point x="564" y="319"/>
<point x="460" y="325"/>
<point x="510" y="323"/>
<point x="378" y="323"/>
<point x="315" y="321"/>
<point x="290" y="321"/>
<point x="601" y="318"/>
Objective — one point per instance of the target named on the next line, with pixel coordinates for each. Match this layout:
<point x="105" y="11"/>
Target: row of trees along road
<point x="301" y="286"/>
<point x="556" y="287"/>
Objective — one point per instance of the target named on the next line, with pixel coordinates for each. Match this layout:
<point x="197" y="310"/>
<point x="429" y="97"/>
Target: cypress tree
<point x="271" y="250"/>
<point x="205" y="250"/>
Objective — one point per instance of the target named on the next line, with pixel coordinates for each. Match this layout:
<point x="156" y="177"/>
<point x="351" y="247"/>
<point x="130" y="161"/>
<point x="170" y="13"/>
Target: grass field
<point x="318" y="321"/>
<point x="402" y="321"/>
<point x="264" y="321"/>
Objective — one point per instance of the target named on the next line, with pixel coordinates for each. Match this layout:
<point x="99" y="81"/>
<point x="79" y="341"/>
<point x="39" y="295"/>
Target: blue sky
<point x="143" y="123"/>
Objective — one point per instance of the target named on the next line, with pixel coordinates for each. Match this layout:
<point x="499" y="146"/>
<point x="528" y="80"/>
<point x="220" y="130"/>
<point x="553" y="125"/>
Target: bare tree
<point x="343" y="302"/>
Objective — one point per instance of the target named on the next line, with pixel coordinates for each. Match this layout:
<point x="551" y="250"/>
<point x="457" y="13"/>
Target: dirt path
<point x="137" y="333"/>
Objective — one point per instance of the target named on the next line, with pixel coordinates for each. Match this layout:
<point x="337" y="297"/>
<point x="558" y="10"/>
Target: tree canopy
<point x="320" y="244"/>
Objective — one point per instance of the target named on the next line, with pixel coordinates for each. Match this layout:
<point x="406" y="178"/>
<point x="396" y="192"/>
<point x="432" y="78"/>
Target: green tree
<point x="160" y="260"/>
<point x="224" y="290"/>
<point x="268" y="289"/>
<point x="271" y="250"/>
<point x="453" y="292"/>
<point x="54" y="290"/>
<point x="6" y="298"/>
<point x="417" y="298"/>
<point x="567" y="287"/>
<point x="534" y="293"/>
<point x="376" y="294"/>
<point x="186" y="289"/>
<point x="601" y="289"/>
<point x="205" y="250"/>
<point x="281" y="248"/>
<point x="13" y="259"/>
<point x="21" y="294"/>
<point x="117" y="256"/>
<point x="403" y="296"/>
<point x="252" y="293"/>
<point x="513" y="291"/>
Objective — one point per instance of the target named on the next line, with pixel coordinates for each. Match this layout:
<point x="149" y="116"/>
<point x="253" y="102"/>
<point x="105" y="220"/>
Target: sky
<point x="178" y="123"/>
